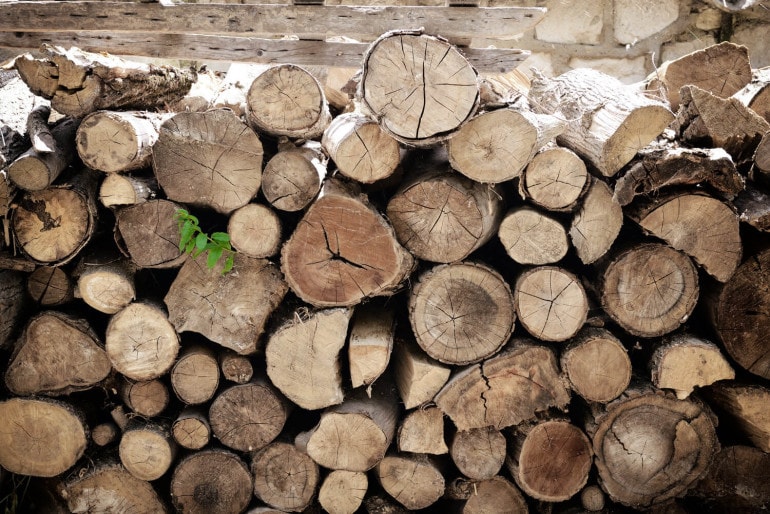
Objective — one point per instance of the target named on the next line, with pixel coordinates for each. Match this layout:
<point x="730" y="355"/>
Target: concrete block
<point x="755" y="37"/>
<point x="571" y="22"/>
<point x="627" y="71"/>
<point x="635" y="20"/>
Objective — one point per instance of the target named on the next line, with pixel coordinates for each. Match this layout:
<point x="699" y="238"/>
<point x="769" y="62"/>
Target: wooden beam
<point x="237" y="49"/>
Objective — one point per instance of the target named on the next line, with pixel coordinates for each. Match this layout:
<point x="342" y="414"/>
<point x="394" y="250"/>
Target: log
<point x="284" y="477"/>
<point x="286" y="100"/>
<point x="495" y="495"/>
<point x="52" y="226"/>
<point x="104" y="434"/>
<point x="343" y="251"/>
<point x="118" y="141"/>
<point x="140" y="341"/>
<point x="550" y="461"/>
<point x="255" y="230"/>
<point x="191" y="429"/>
<point x="123" y="190"/>
<point x="418" y="377"/>
<point x="195" y="374"/>
<point x="550" y="302"/>
<point x="38" y="130"/>
<point x="649" y="289"/>
<point x="592" y="498"/>
<point x="478" y="453"/>
<point x="650" y="448"/>
<point x="146" y="449"/>
<point x="75" y="363"/>
<point x="744" y="409"/>
<point x="211" y="481"/>
<point x="210" y="159"/>
<point x="597" y="365"/>
<point x="685" y="362"/>
<point x="148" y="398"/>
<point x="293" y="177"/>
<point x="440" y="216"/>
<point x="722" y="69"/>
<point x="761" y="170"/>
<point x="49" y="286"/>
<point x="499" y="391"/>
<point x="361" y="150"/>
<point x="106" y="282"/>
<point x="248" y="417"/>
<point x="35" y="170"/>
<point x="495" y="146"/>
<point x="12" y="304"/>
<point x="78" y="82"/>
<point x="40" y="437"/>
<point x="753" y="206"/>
<point x="607" y="121"/>
<point x="756" y="94"/>
<point x="234" y="367"/>
<point x="414" y="481"/>
<point x="554" y="179"/>
<point x="370" y="343"/>
<point x="596" y="223"/>
<point x="148" y="234"/>
<point x="422" y="431"/>
<point x="418" y="87"/>
<point x="230" y="309"/>
<point x="342" y="492"/>
<point x="736" y="481"/>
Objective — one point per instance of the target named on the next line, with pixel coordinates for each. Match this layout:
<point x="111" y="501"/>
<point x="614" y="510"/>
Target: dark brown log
<point x="147" y="398"/>
<point x="49" y="286"/>
<point x="12" y="304"/>
<point x="211" y="482"/>
<point x="293" y="177"/>
<point x="255" y="230"/>
<point x="191" y="429"/>
<point x="756" y="94"/>
<point x="418" y="377"/>
<point x="422" y="431"/>
<point x="597" y="365"/>
<point x="478" y="453"/>
<point x="555" y="179"/>
<point x="743" y="407"/>
<point x="122" y="190"/>
<point x="342" y="492"/>
<point x="284" y="477"/>
<point x="149" y="235"/>
<point x="370" y="344"/>
<point x="147" y="449"/>
<point x="737" y="481"/>
<point x="596" y="224"/>
<point x="35" y="170"/>
<point x="235" y="368"/>
<point x="414" y="481"/>
<point x="195" y="375"/>
<point x="753" y="207"/>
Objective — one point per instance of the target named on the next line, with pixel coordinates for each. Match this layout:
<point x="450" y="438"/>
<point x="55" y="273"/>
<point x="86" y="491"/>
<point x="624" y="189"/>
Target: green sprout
<point x="194" y="241"/>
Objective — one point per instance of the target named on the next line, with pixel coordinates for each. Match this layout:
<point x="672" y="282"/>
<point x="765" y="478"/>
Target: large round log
<point x="211" y="482"/>
<point x="284" y="477"/>
<point x="148" y="234"/>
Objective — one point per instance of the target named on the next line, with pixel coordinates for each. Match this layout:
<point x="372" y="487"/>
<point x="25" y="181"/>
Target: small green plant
<point x="194" y="241"/>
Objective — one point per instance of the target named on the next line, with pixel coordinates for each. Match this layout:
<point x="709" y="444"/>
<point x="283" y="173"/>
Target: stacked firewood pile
<point x="426" y="290"/>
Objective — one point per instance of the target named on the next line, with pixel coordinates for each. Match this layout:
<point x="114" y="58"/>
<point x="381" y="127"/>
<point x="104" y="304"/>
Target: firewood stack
<point x="449" y="291"/>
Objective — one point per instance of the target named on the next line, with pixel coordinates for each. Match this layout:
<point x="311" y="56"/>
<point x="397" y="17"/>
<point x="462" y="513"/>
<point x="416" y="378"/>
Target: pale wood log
<point x="38" y="130"/>
<point x="608" y="122"/>
<point x="495" y="495"/>
<point x="211" y="482"/>
<point x="343" y="251"/>
<point x="104" y="434"/>
<point x="247" y="417"/>
<point x="191" y="429"/>
<point x="230" y="309"/>
<point x="756" y="94"/>
<point x="550" y="302"/>
<point x="210" y="159"/>
<point x="78" y="82"/>
<point x="649" y="289"/>
<point x="342" y="492"/>
<point x="109" y="487"/>
<point x="499" y="393"/>
<point x="422" y="431"/>
<point x="148" y="234"/>
<point x="255" y="230"/>
<point x="744" y="408"/>
<point x="361" y="150"/>
<point x="440" y="216"/>
<point x="753" y="206"/>
<point x="106" y="282"/>
<point x="737" y="480"/>
<point x="596" y="224"/>
<point x="40" y="437"/>
<point x="495" y="146"/>
<point x="418" y="376"/>
<point x="722" y="69"/>
<point x="141" y="342"/>
<point x="685" y="362"/>
<point x="597" y="365"/>
<point x="75" y="363"/>
<point x="52" y="226"/>
<point x="120" y="417"/>
<point x="293" y="177"/>
<point x="50" y="286"/>
<point x="478" y="453"/>
<point x="555" y="179"/>
<point x="35" y="170"/>
<point x="461" y="313"/>
<point x="286" y="100"/>
<point x="651" y="448"/>
<point x="284" y="477"/>
<point x="551" y="460"/>
<point x="414" y="481"/>
<point x="761" y="169"/>
<point x="235" y="368"/>
<point x="592" y="498"/>
<point x="703" y="227"/>
<point x="12" y="304"/>
<point x="147" y="398"/>
<point x="195" y="375"/>
<point x="116" y="142"/>
<point x="122" y="190"/>
<point x="146" y="449"/>
<point x="420" y="88"/>
<point x="660" y="166"/>
<point x="372" y="332"/>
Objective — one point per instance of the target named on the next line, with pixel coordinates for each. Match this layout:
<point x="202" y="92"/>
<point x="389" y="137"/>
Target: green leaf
<point x="221" y="237"/>
<point x="188" y="229"/>
<point x="190" y="246"/>
<point x="201" y="240"/>
<point x="214" y="255"/>
<point x="228" y="263"/>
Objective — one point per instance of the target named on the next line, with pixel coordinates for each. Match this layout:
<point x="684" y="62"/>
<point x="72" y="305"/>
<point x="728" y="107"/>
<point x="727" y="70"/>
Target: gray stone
<point x="635" y="20"/>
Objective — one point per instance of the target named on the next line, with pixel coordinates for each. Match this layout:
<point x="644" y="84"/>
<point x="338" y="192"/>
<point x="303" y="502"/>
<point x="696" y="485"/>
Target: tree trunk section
<point x="235" y="368"/>
<point x="422" y="431"/>
<point x="419" y="87"/>
<point x="370" y="344"/>
<point x="211" y="482"/>
<point x="743" y="407"/>
<point x="461" y="313"/>
<point x="607" y="121"/>
<point x="35" y="170"/>
<point x="495" y="495"/>
<point x="592" y="498"/>
<point x="147" y="450"/>
<point x="255" y="230"/>
<point x="49" y="286"/>
<point x="195" y="375"/>
<point x="210" y="159"/>
<point x="293" y="177"/>
<point x="75" y="363"/>
<point x="737" y="481"/>
<point x="649" y="289"/>
<point x="756" y="94"/>
<point x="148" y="234"/>
<point x="106" y="283"/>
<point x="123" y="190"/>
<point x="555" y="179"/>
<point x="342" y="492"/>
<point x="147" y="398"/>
<point x="343" y="251"/>
<point x="418" y="377"/>
<point x="104" y="434"/>
<point x="284" y="477"/>
<point x="478" y="453"/>
<point x="229" y="309"/>
<point x="191" y="429"/>
<point x="596" y="224"/>
<point x="597" y="365"/>
<point x="414" y="481"/>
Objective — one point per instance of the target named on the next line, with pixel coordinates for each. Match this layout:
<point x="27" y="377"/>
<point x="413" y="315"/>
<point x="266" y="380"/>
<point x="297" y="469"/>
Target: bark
<point x="12" y="304"/>
<point x="284" y="477"/>
<point x="738" y="480"/>
<point x="214" y="151"/>
<point x="554" y="179"/>
<point x="255" y="230"/>
<point x="756" y="94"/>
<point x="148" y="398"/>
<point x="293" y="177"/>
<point x="597" y="365"/>
<point x="478" y="453"/>
<point x="148" y="234"/>
<point x="414" y="481"/>
<point x="495" y="495"/>
<point x="195" y="375"/>
<point x="753" y="206"/>
<point x="38" y="131"/>
<point x="422" y="431"/>
<point x="596" y="224"/>
<point x="75" y="363"/>
<point x="743" y="408"/>
<point x="106" y="282"/>
<point x="419" y="87"/>
<point x="370" y="344"/>
<point x="342" y="492"/>
<point x="123" y="190"/>
<point x="49" y="286"/>
<point x="35" y="170"/>
<point x="235" y="368"/>
<point x="418" y="377"/>
<point x="211" y="482"/>
<point x="191" y="429"/>
<point x="147" y="449"/>
<point x="761" y="170"/>
<point x="607" y="121"/>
